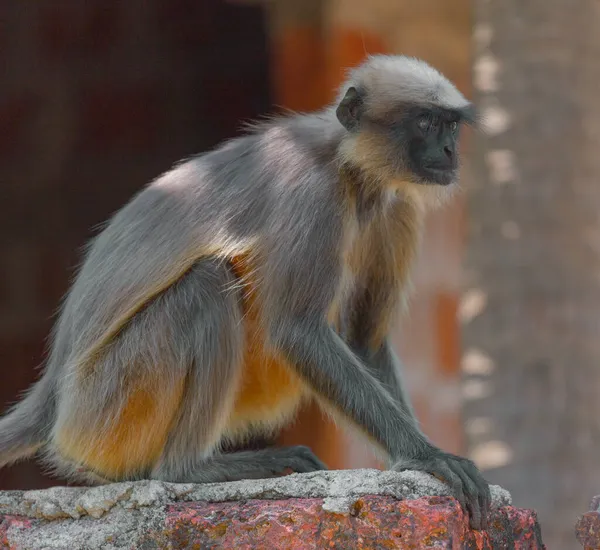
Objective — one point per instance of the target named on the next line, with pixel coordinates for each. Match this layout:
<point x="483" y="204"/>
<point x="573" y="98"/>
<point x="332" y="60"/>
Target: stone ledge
<point x="334" y="509"/>
<point x="587" y="529"/>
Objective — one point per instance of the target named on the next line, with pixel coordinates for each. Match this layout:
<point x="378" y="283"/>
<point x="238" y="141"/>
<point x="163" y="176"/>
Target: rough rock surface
<point x="334" y="509"/>
<point x="587" y="529"/>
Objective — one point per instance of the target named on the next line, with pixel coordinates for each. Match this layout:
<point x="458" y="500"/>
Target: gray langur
<point x="246" y="279"/>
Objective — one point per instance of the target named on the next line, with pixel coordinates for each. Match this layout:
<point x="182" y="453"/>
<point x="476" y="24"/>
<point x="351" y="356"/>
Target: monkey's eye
<point x="454" y="126"/>
<point x="424" y="123"/>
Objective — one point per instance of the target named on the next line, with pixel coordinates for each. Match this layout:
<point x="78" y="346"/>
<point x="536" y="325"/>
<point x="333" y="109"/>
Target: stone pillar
<point x="532" y="352"/>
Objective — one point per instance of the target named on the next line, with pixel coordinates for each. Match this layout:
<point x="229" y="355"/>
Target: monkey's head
<point x="402" y="120"/>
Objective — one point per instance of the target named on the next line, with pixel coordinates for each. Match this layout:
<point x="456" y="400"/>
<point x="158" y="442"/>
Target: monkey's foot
<point x="295" y="459"/>
<point x="464" y="478"/>
<point x="262" y="464"/>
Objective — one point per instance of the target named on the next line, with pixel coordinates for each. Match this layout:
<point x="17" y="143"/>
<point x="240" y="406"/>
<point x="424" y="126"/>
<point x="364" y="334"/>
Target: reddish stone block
<point x="123" y="118"/>
<point x="68" y="29"/>
<point x="304" y="524"/>
<point x="373" y="522"/>
<point x="339" y="509"/>
<point x="587" y="529"/>
<point x="14" y="521"/>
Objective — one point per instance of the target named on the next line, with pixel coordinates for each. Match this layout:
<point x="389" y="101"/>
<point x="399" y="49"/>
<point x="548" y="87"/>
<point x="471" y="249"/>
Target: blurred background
<point x="502" y="347"/>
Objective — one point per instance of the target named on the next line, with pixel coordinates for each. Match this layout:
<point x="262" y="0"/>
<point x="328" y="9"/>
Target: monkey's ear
<point x="350" y="109"/>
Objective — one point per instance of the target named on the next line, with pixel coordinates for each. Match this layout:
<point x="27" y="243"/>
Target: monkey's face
<point x="416" y="145"/>
<point x="427" y="141"/>
<point x="410" y="142"/>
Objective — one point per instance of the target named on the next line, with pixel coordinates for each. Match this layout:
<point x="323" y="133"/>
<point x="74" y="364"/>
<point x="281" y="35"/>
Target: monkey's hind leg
<point x="156" y="402"/>
<point x="191" y="452"/>
<point x="165" y="381"/>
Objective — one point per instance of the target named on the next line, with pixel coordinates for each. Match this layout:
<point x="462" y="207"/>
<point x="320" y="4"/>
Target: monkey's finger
<point x="477" y="514"/>
<point x="441" y="469"/>
<point x="485" y="510"/>
<point x="483" y="486"/>
<point x="485" y="502"/>
<point x="485" y="496"/>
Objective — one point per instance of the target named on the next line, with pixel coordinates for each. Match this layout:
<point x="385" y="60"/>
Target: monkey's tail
<point x="26" y="427"/>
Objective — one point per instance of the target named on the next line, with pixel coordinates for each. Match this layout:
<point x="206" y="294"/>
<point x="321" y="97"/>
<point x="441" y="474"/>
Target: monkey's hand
<point x="467" y="484"/>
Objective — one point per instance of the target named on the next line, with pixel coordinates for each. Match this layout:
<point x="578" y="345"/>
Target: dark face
<point x="430" y="140"/>
<point x="422" y="139"/>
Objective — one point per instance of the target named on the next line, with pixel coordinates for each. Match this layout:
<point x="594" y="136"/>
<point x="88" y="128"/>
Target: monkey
<point x="249" y="278"/>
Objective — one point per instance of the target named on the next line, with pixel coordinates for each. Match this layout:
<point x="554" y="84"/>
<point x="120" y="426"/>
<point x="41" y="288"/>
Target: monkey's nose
<point x="449" y="152"/>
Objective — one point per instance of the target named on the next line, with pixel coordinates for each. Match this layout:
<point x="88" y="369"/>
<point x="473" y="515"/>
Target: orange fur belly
<point x="269" y="394"/>
<point x="269" y="390"/>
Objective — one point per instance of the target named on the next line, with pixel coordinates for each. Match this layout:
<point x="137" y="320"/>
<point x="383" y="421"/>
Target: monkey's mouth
<point x="439" y="176"/>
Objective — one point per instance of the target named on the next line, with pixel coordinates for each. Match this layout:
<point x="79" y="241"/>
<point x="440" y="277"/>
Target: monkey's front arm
<point x="321" y="357"/>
